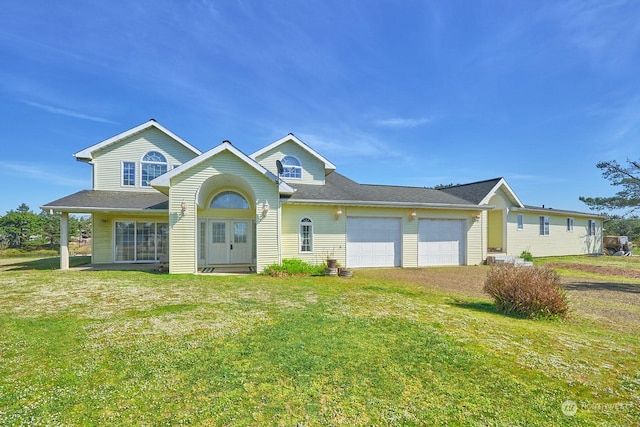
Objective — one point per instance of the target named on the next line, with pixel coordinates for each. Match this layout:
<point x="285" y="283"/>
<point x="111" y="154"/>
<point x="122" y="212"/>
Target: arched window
<point x="291" y="168"/>
<point x="229" y="200"/>
<point x="306" y="235"/>
<point x="153" y="164"/>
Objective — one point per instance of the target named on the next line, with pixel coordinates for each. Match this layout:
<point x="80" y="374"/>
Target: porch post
<point x="64" y="241"/>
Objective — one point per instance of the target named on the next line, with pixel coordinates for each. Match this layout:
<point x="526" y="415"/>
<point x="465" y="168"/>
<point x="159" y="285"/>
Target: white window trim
<point x="308" y="223"/>
<point x="570" y="224"/>
<point x="520" y="222"/>
<point x="592" y="225"/>
<point x="297" y="167"/>
<point x="143" y="162"/>
<point x="545" y="225"/>
<point x="135" y="175"/>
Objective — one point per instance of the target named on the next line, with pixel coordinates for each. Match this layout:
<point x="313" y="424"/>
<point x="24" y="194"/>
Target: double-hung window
<point x="544" y="225"/>
<point x="306" y="235"/>
<point x="128" y="174"/>
<point x="520" y="222"/>
<point x="592" y="228"/>
<point x="569" y="224"/>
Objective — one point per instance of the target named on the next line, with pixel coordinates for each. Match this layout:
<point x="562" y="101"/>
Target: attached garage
<point x="441" y="242"/>
<point x="374" y="242"/>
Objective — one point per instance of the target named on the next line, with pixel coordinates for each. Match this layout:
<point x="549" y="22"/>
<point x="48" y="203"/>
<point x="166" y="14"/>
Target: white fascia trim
<point x="164" y="180"/>
<point x="501" y="183"/>
<point x="552" y="211"/>
<point x="389" y="204"/>
<point x="292" y="137"/>
<point x="76" y="209"/>
<point x="87" y="153"/>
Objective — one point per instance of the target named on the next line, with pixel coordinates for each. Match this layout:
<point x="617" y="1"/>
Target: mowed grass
<point x="136" y="348"/>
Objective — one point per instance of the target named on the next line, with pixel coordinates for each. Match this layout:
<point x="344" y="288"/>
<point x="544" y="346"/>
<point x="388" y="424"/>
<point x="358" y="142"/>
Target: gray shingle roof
<point x="339" y="188"/>
<point x="473" y="192"/>
<point x="99" y="200"/>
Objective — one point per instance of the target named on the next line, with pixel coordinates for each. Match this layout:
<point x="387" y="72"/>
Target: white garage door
<point x="373" y="242"/>
<point x="441" y="242"/>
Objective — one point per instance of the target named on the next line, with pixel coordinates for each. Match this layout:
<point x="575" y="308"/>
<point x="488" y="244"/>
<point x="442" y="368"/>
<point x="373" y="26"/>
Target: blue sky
<point x="414" y="93"/>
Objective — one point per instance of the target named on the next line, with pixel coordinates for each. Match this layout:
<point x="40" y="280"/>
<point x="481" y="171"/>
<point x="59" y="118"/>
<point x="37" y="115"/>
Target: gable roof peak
<point x="87" y="154"/>
<point x="291" y="137"/>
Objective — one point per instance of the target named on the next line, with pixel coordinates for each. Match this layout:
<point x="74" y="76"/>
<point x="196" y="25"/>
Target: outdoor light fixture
<point x="338" y="213"/>
<point x="265" y="208"/>
<point x="183" y="206"/>
<point x="412" y="215"/>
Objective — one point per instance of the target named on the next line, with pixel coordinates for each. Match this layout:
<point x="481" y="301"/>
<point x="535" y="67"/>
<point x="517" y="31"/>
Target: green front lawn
<point x="135" y="348"/>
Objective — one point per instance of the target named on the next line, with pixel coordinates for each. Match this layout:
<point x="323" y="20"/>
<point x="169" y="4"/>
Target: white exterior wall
<point x="559" y="242"/>
<point x="186" y="186"/>
<point x="107" y="162"/>
<point x="312" y="168"/>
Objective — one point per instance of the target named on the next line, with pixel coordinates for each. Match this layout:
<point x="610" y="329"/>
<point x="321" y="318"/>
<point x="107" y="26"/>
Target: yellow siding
<point x="183" y="228"/>
<point x="107" y="162"/>
<point x="329" y="233"/>
<point x="559" y="242"/>
<point x="312" y="168"/>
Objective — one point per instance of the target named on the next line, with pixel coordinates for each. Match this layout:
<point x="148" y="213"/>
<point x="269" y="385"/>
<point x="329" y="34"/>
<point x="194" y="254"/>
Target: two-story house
<point x="156" y="196"/>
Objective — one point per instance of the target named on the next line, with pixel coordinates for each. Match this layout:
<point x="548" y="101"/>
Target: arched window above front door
<point x="229" y="200"/>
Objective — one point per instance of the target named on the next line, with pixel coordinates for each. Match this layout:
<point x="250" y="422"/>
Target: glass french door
<point x="227" y="241"/>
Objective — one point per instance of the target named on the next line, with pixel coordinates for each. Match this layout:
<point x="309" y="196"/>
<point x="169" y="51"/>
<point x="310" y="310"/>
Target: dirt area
<point x="598" y="269"/>
<point x="603" y="300"/>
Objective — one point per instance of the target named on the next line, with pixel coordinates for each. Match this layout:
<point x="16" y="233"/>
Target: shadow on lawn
<point x="484" y="307"/>
<point x="52" y="263"/>
<point x="602" y="286"/>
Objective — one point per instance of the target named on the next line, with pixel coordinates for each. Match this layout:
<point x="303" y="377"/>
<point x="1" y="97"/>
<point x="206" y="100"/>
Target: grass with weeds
<point x="136" y="348"/>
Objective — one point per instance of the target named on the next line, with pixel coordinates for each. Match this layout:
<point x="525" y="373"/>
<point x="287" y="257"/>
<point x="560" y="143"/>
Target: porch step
<point x="507" y="259"/>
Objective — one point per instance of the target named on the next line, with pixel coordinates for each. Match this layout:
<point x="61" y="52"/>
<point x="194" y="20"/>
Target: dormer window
<point x="153" y="164"/>
<point x="291" y="168"/>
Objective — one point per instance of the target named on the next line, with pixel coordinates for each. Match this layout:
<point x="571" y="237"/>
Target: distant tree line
<point x="24" y="229"/>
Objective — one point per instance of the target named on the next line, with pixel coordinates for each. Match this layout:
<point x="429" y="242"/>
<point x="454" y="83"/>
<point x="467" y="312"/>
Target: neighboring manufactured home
<point x="154" y="196"/>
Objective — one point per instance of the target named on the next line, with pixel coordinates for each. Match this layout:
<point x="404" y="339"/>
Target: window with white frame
<point x="569" y="224"/>
<point x="140" y="241"/>
<point x="291" y="168"/>
<point x="306" y="235"/>
<point x="592" y="228"/>
<point x="128" y="174"/>
<point x="544" y="225"/>
<point x="152" y="165"/>
<point x="520" y="222"/>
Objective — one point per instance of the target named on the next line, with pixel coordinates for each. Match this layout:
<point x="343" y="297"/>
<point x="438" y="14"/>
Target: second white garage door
<point x="373" y="242"/>
<point x="441" y="242"/>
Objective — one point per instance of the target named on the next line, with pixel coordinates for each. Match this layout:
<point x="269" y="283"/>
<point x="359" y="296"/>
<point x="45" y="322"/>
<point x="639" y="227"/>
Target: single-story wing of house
<point x="155" y="197"/>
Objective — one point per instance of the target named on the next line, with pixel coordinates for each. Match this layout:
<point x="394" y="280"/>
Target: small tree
<point x="627" y="178"/>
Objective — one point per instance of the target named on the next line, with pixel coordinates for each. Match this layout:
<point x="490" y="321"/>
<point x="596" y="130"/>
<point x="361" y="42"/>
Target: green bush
<point x="526" y="255"/>
<point x="294" y="267"/>
<point x="532" y="292"/>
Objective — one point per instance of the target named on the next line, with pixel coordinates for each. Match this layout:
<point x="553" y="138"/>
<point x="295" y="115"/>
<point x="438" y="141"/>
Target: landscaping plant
<point x="294" y="267"/>
<point x="532" y="292"/>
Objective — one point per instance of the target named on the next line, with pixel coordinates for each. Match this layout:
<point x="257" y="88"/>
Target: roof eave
<point x="93" y="209"/>
<point x="469" y="207"/>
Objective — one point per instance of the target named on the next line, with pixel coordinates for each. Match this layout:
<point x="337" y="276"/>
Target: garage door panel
<point x="373" y="242"/>
<point x="441" y="242"/>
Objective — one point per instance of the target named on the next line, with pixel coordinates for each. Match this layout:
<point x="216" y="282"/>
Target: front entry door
<point x="229" y="242"/>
